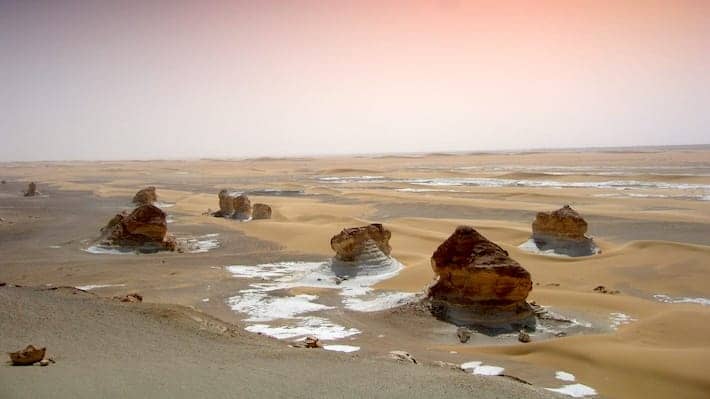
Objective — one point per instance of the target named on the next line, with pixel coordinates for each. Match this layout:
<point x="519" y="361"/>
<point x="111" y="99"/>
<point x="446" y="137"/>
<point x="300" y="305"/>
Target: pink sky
<point x="119" y="80"/>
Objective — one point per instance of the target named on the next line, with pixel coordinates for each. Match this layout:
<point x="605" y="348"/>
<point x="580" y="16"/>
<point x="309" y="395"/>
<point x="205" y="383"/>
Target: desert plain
<point x="215" y="321"/>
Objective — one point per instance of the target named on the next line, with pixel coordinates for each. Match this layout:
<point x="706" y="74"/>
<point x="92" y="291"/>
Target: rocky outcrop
<point x="242" y="207"/>
<point x="145" y="229"/>
<point x="351" y="243"/>
<point x="31" y="190"/>
<point x="234" y="205"/>
<point x="27" y="356"/>
<point x="145" y="196"/>
<point x="129" y="298"/>
<point x="261" y="211"/>
<point x="478" y="283"/>
<point x="564" y="232"/>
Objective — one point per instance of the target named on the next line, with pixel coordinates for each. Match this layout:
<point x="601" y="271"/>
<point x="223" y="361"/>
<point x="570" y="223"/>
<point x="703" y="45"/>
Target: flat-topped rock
<point x="350" y="243"/>
<point x="145" y="227"/>
<point x="261" y="211"/>
<point x="477" y="282"/>
<point x="145" y="196"/>
<point x="564" y="232"/>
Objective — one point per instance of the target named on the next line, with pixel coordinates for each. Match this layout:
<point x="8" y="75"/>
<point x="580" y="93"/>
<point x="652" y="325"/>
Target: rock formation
<point x="233" y="205"/>
<point x="31" y="190"/>
<point x="478" y="283"/>
<point x="145" y="196"/>
<point x="562" y="231"/>
<point x="261" y="211"/>
<point x="351" y="243"/>
<point x="27" y="356"/>
<point x="145" y="229"/>
<point x="130" y="298"/>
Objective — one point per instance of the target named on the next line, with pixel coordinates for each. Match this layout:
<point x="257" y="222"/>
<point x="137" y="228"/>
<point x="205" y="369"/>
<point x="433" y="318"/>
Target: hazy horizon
<point x="232" y="79"/>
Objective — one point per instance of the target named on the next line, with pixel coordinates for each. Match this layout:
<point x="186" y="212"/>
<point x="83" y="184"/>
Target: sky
<point x="150" y="79"/>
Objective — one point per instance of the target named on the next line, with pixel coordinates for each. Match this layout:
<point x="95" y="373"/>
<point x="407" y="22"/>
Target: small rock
<point x="523" y="337"/>
<point x="133" y="298"/>
<point x="402" y="356"/>
<point x="44" y="362"/>
<point x="447" y="365"/>
<point x="603" y="290"/>
<point x="309" y="342"/>
<point x="3" y="182"/>
<point x="464" y="334"/>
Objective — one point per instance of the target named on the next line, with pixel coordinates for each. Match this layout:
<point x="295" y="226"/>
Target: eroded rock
<point x="242" y="207"/>
<point x="31" y="190"/>
<point x="29" y="355"/>
<point x="146" y="196"/>
<point x="130" y="298"/>
<point x="478" y="283"/>
<point x="350" y="244"/>
<point x="144" y="228"/>
<point x="564" y="232"/>
<point x="261" y="211"/>
<point x="402" y="356"/>
<point x="234" y="205"/>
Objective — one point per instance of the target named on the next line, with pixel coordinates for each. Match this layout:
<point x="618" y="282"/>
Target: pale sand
<point x="649" y="246"/>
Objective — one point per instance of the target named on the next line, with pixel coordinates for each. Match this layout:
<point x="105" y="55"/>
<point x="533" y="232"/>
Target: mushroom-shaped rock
<point x="261" y="211"/>
<point x="242" y="207"/>
<point x="145" y="196"/>
<point x="145" y="227"/>
<point x="478" y="283"/>
<point x="31" y="190"/>
<point x="350" y="244"/>
<point x="562" y="231"/>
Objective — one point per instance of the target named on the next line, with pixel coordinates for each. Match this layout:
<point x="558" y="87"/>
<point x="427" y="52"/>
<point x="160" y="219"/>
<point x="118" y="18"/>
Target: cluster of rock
<point x="145" y="229"/>
<point x="238" y="206"/>
<point x="146" y="196"/>
<point x="564" y="232"/>
<point x="477" y="283"/>
<point x="31" y="190"/>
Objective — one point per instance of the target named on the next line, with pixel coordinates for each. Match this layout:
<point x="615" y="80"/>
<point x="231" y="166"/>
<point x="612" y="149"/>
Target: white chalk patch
<point x="163" y="205"/>
<point x="322" y="328"/>
<point x="564" y="376"/>
<point x="575" y="390"/>
<point x="262" y="307"/>
<point x="54" y="246"/>
<point x="618" y="319"/>
<point x="95" y="286"/>
<point x="530" y="246"/>
<point x="103" y="250"/>
<point x="488" y="370"/>
<point x="205" y="299"/>
<point x="669" y="299"/>
<point x="381" y="336"/>
<point x="386" y="300"/>
<point x="453" y="352"/>
<point x="341" y="348"/>
<point x="200" y="244"/>
<point x="470" y="365"/>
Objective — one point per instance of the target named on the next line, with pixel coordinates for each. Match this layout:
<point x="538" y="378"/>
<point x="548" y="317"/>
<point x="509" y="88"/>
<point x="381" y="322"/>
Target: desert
<point x="266" y="284"/>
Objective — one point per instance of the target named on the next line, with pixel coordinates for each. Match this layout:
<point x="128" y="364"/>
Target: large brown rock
<point x="145" y="196"/>
<point x="562" y="231"/>
<point x="477" y="282"/>
<point x="351" y="243"/>
<point x="261" y="211"/>
<point x="226" y="204"/>
<point x="242" y="207"/>
<point x="31" y="190"/>
<point x="146" y="226"/>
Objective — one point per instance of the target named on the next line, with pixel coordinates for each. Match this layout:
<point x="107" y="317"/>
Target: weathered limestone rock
<point x="352" y="243"/>
<point x="226" y="204"/>
<point x="242" y="207"/>
<point x="144" y="228"/>
<point x="478" y="283"/>
<point x="27" y="356"/>
<point x="563" y="231"/>
<point x="261" y="211"/>
<point x="145" y="196"/>
<point x="31" y="190"/>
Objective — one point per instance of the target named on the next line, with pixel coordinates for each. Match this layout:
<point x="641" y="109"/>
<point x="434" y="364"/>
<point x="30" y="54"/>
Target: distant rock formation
<point x="145" y="196"/>
<point x="31" y="190"/>
<point x="261" y="211"/>
<point x="351" y="243"/>
<point x="145" y="229"/>
<point x="563" y="231"/>
<point x="478" y="283"/>
<point x="234" y="205"/>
